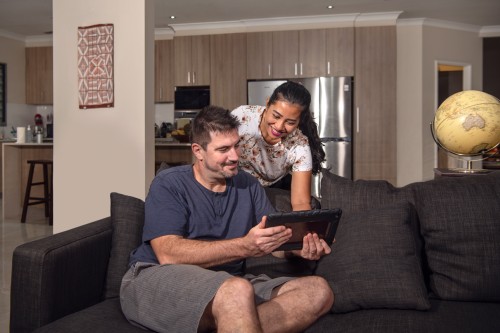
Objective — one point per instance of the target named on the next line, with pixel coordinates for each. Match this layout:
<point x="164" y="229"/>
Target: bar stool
<point x="47" y="189"/>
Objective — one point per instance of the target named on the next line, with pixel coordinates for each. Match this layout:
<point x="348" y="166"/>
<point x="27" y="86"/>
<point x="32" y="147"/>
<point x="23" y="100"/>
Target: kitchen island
<point x="15" y="168"/>
<point x="15" y="171"/>
<point x="172" y="152"/>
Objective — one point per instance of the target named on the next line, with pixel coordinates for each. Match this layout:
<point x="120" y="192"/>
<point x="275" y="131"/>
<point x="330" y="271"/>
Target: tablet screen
<point x="324" y="222"/>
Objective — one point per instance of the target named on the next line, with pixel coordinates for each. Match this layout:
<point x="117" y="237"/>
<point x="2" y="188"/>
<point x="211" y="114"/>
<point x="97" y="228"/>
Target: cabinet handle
<point x="194" y="77"/>
<point x="328" y="68"/>
<point x="189" y="77"/>
<point x="161" y="93"/>
<point x="269" y="69"/>
<point x="300" y="68"/>
<point x="357" y="120"/>
<point x="295" y="69"/>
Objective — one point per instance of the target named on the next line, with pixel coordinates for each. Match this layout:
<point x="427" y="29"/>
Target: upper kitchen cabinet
<point x="228" y="54"/>
<point x="312" y="52"/>
<point x="192" y="61"/>
<point x="259" y="55"/>
<point x="164" y="71"/>
<point x="285" y="53"/>
<point x="340" y="52"/>
<point x="375" y="104"/>
<point x="39" y="76"/>
<point x="299" y="53"/>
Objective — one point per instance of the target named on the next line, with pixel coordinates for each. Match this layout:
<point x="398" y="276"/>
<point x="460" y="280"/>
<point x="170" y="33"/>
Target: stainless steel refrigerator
<point x="331" y="105"/>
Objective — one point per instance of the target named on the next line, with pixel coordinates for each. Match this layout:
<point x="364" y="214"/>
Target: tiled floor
<point x="12" y="234"/>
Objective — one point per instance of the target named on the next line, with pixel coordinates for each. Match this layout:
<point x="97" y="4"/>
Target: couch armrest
<point x="59" y="275"/>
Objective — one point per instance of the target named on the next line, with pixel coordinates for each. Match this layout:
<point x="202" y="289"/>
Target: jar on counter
<point x="39" y="137"/>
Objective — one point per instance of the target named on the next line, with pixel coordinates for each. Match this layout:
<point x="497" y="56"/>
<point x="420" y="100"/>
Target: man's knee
<point x="319" y="290"/>
<point x="234" y="291"/>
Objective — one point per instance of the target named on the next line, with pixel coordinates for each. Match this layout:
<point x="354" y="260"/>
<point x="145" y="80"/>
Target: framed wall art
<point x="95" y="66"/>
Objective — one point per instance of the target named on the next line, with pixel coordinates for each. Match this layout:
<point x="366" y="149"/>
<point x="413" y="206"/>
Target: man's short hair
<point x="212" y="119"/>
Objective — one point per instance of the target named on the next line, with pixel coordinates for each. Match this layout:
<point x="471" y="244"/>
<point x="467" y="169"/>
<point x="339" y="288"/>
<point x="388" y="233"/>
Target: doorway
<point x="450" y="78"/>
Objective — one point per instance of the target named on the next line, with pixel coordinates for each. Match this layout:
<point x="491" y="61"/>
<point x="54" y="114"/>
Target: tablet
<point x="324" y="222"/>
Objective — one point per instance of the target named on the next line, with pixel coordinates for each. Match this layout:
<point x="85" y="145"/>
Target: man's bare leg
<point x="296" y="305"/>
<point x="232" y="309"/>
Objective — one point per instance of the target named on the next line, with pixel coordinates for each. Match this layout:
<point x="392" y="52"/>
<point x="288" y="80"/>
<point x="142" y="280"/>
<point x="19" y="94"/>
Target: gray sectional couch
<point x="420" y="258"/>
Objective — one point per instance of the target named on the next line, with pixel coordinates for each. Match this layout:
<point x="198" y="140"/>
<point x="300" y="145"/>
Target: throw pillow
<point x="127" y="220"/>
<point x="375" y="261"/>
<point x="460" y="222"/>
<point x="360" y="195"/>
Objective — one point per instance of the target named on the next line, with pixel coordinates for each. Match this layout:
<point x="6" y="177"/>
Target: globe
<point x="468" y="123"/>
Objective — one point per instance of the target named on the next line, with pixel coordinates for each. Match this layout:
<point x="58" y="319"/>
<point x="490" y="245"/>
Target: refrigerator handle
<point x="357" y="120"/>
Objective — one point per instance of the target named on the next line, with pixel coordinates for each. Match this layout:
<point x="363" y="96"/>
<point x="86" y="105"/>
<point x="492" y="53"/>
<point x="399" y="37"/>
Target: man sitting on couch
<point x="201" y="222"/>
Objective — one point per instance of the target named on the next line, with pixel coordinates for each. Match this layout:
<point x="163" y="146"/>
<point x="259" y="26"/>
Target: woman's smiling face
<point x="278" y="120"/>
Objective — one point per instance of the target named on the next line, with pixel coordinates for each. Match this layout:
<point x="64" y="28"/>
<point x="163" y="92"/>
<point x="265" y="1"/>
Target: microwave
<point x="191" y="98"/>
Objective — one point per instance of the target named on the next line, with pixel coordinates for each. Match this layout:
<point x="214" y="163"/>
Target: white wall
<point x="445" y="45"/>
<point x="419" y="47"/>
<point x="104" y="150"/>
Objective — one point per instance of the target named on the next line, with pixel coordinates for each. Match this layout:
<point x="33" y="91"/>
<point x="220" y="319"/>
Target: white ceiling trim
<point x="287" y="23"/>
<point x="376" y="19"/>
<point x="490" y="31"/>
<point x="11" y="35"/>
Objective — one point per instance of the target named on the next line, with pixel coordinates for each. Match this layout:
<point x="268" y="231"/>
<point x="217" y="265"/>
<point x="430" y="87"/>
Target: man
<point x="201" y="222"/>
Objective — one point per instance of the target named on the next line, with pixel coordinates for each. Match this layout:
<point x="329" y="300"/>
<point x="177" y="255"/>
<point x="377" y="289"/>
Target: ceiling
<point x="34" y="17"/>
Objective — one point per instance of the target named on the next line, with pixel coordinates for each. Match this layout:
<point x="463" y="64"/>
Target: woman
<point x="281" y="139"/>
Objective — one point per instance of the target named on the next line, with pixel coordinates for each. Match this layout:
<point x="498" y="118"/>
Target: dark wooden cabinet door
<point x="164" y="71"/>
<point x="375" y="104"/>
<point x="228" y="87"/>
<point x="39" y="75"/>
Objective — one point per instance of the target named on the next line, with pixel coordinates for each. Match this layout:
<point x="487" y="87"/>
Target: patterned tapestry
<point x="95" y="66"/>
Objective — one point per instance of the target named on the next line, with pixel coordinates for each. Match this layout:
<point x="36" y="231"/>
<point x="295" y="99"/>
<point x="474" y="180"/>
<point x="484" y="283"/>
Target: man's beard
<point x="225" y="173"/>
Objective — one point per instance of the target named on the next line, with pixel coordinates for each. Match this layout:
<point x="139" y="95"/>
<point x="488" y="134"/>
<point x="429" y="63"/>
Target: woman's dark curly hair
<point x="296" y="93"/>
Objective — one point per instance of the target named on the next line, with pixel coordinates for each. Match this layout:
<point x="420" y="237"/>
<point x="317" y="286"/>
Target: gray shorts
<point x="172" y="298"/>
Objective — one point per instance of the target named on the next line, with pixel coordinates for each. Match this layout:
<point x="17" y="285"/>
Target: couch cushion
<point x="127" y="220"/>
<point x="375" y="261"/>
<point x="104" y="317"/>
<point x="281" y="200"/>
<point x="460" y="222"/>
<point x="360" y="195"/>
<point x="444" y="316"/>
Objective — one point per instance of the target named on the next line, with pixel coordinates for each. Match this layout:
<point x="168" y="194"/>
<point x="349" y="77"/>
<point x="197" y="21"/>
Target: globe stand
<point x="469" y="168"/>
<point x="471" y="158"/>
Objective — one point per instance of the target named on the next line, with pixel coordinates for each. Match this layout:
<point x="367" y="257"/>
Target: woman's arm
<point x="301" y="190"/>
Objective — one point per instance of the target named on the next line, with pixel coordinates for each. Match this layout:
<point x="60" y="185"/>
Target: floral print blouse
<point x="269" y="163"/>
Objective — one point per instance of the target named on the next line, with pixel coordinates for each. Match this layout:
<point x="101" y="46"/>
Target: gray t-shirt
<point x="178" y="205"/>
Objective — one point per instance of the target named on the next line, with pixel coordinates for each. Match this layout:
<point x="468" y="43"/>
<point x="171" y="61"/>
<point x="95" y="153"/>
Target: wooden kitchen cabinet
<point x="375" y="104"/>
<point x="299" y="53"/>
<point x="259" y="55"/>
<point x="285" y="52"/>
<point x="39" y="76"/>
<point x="312" y="53"/>
<point x="339" y="51"/>
<point x="192" y="61"/>
<point x="164" y="71"/>
<point x="228" y="56"/>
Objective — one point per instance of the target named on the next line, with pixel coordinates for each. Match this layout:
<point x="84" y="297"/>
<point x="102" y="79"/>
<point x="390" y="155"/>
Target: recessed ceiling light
<point x="172" y="17"/>
<point x="330" y="7"/>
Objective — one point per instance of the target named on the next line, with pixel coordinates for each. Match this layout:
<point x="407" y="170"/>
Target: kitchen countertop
<point x="158" y="142"/>
<point x="30" y="144"/>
